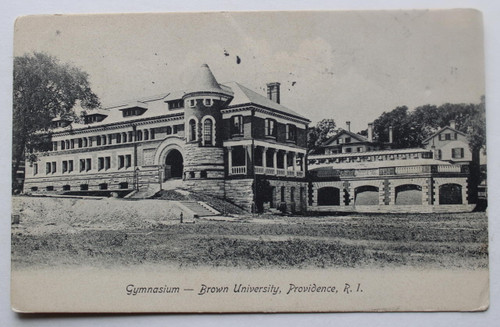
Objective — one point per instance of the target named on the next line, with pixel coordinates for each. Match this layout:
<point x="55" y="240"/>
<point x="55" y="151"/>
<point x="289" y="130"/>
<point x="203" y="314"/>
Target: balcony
<point x="269" y="171"/>
<point x="239" y="170"/>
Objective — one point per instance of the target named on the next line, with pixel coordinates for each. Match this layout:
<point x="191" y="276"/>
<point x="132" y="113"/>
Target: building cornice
<point x="118" y="125"/>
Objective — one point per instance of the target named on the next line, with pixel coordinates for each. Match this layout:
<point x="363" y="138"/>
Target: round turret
<point x="203" y="101"/>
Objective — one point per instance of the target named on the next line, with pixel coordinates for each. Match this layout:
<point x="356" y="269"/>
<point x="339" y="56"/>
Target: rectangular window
<point x="457" y="153"/>
<point x="98" y="140"/>
<point x="237" y="125"/>
<point x="64" y="166"/>
<point x="152" y="133"/>
<point x="72" y="142"/>
<point x="360" y="149"/>
<point x="347" y="140"/>
<point x="107" y="163"/>
<point x="35" y="169"/>
<point x="456" y="136"/>
<point x="121" y="162"/>
<point x="348" y="150"/>
<point x="128" y="161"/>
<point x="88" y="165"/>
<point x="48" y="168"/>
<point x="100" y="163"/>
<point x="270" y="127"/>
<point x="291" y="132"/>
<point x="54" y="167"/>
<point x="82" y="165"/>
<point x="70" y="166"/>
<point x="55" y="146"/>
<point x="447" y="136"/>
<point x="110" y="138"/>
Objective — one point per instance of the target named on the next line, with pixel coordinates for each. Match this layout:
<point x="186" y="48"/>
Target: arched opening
<point x="450" y="194"/>
<point x="366" y="196"/>
<point x="328" y="196"/>
<point x="174" y="164"/>
<point x="409" y="194"/>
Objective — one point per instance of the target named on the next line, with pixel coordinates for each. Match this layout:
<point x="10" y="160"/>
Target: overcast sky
<point x="342" y="65"/>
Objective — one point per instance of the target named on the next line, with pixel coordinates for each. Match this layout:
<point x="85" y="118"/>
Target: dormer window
<point x="94" y="118"/>
<point x="175" y="104"/>
<point x="208" y="102"/>
<point x="133" y="112"/>
<point x="192" y="103"/>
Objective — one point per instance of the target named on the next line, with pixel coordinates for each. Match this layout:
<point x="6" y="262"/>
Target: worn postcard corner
<point x="250" y="162"/>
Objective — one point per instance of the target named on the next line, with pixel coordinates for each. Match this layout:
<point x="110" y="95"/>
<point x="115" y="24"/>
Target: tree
<point x="318" y="134"/>
<point x="44" y="88"/>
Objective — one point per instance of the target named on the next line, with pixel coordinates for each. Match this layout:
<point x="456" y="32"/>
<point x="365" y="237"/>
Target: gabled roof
<point x="243" y="95"/>
<point x="358" y="137"/>
<point x="440" y="131"/>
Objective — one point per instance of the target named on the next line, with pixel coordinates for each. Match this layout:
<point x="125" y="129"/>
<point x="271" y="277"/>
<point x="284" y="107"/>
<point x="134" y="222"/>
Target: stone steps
<point x="200" y="209"/>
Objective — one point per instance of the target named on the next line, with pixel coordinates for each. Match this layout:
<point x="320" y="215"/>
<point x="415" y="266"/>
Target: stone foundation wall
<point x="212" y="187"/>
<point x="240" y="192"/>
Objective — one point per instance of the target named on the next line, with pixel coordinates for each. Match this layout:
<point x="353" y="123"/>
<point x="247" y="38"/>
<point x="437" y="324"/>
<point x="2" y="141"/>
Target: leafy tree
<point x="44" y="88"/>
<point x="318" y="134"/>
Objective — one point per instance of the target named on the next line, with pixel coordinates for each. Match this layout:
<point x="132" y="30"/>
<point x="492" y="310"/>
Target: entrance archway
<point x="174" y="164"/>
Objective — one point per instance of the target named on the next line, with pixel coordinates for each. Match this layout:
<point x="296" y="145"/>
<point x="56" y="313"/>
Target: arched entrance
<point x="174" y="164"/>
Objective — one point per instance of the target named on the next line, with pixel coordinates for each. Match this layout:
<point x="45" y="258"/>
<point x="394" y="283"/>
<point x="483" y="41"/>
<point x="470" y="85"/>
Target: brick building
<point x="221" y="139"/>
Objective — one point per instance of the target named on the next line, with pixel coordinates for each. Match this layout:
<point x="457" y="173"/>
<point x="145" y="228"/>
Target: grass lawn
<point x="355" y="240"/>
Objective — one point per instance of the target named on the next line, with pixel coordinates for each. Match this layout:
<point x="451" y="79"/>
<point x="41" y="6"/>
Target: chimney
<point x="390" y="134"/>
<point x="348" y="123"/>
<point x="370" y="132"/>
<point x="273" y="91"/>
<point x="453" y="124"/>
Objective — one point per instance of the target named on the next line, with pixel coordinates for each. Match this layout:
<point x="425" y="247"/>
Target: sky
<point x="349" y="66"/>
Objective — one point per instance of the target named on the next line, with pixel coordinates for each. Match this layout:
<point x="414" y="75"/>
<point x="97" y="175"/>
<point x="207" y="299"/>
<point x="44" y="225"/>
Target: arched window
<point x="208" y="131"/>
<point x="192" y="129"/>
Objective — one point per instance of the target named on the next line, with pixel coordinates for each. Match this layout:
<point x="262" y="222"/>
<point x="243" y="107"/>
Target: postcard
<point x="316" y="161"/>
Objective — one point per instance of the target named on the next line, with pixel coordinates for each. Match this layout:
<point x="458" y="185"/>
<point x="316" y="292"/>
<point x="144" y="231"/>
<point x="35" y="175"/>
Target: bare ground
<point x="57" y="232"/>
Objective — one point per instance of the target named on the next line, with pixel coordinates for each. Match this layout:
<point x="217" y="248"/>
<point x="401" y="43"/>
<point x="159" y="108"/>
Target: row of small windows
<point x="206" y="102"/>
<point x="83" y="187"/>
<point x="103" y="163"/>
<point x="124" y="137"/>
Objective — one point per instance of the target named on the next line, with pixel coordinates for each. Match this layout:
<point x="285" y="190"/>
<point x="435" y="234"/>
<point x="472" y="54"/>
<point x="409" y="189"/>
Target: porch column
<point x="285" y="162"/>
<point x="264" y="159"/>
<point x="295" y="163"/>
<point x="229" y="160"/>
<point x="275" y="161"/>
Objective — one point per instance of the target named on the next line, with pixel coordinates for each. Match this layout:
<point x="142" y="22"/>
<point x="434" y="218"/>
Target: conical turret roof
<point x="204" y="81"/>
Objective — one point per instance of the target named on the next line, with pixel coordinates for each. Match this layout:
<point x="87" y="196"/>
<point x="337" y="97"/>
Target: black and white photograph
<point x="280" y="161"/>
